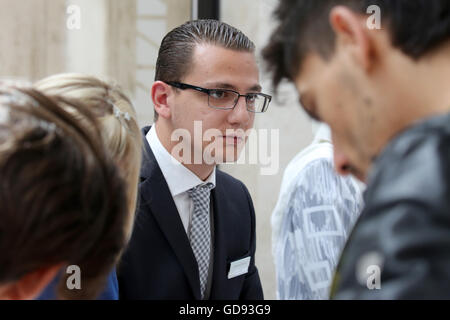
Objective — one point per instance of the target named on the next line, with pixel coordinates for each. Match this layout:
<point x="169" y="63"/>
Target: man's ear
<point x="30" y="285"/>
<point x="161" y="93"/>
<point x="352" y="34"/>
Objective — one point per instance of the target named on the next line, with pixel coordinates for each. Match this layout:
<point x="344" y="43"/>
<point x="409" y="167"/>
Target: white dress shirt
<point x="179" y="178"/>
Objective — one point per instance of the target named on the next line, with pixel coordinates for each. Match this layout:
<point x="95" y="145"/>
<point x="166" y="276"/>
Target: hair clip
<point x="118" y="113"/>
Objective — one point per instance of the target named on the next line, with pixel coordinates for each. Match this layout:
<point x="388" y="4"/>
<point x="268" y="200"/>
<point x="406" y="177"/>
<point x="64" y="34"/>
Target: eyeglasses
<point x="226" y="99"/>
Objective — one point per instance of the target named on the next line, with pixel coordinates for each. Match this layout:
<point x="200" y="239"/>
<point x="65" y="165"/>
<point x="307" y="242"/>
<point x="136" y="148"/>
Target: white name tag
<point x="239" y="267"/>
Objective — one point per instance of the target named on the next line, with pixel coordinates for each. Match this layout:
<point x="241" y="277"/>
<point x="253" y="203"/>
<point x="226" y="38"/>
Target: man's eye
<point x="217" y="94"/>
<point x="251" y="97"/>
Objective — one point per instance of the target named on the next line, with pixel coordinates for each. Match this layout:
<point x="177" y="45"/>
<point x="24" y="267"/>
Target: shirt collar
<point x="179" y="178"/>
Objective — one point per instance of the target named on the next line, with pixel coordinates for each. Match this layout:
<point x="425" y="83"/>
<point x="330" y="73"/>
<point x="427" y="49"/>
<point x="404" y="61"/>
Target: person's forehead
<point x="211" y="49"/>
<point x="217" y="65"/>
<point x="207" y="56"/>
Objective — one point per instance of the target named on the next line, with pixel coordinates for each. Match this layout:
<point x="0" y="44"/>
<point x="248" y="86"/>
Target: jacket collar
<point x="155" y="192"/>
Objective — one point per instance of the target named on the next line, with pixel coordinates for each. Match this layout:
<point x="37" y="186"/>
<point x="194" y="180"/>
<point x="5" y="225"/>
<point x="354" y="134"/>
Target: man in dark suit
<point x="194" y="234"/>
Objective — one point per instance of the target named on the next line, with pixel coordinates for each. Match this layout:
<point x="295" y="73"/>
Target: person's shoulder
<point x="319" y="183"/>
<point x="313" y="155"/>
<point x="428" y="134"/>
<point x="236" y="186"/>
<point x="228" y="180"/>
<point x="315" y="168"/>
<point x="317" y="151"/>
<point x="415" y="165"/>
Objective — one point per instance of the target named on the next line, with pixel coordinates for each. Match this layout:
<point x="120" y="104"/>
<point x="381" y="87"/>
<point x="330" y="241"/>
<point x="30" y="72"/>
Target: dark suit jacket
<point x="159" y="262"/>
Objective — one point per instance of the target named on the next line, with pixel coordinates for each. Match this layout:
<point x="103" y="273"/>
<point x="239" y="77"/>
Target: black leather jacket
<point x="400" y="246"/>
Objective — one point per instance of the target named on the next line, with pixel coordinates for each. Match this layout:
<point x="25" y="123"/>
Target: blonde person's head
<point x="117" y="120"/>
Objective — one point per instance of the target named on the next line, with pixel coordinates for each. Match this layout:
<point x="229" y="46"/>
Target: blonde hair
<point x="116" y="116"/>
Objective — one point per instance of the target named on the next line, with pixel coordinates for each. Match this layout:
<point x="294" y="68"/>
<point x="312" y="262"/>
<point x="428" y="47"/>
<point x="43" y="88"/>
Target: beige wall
<point x="31" y="38"/>
<point x="36" y="42"/>
<point x="154" y="19"/>
<point x="121" y="42"/>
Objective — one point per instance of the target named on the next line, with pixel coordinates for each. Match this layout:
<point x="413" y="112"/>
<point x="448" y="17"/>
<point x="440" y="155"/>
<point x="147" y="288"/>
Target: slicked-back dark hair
<point x="415" y="26"/>
<point x="176" y="50"/>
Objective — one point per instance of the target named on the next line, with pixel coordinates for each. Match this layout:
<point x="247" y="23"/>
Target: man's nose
<point x="240" y="114"/>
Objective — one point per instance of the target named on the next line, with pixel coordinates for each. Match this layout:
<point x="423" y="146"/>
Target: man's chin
<point x="221" y="153"/>
<point x="226" y="159"/>
<point x="230" y="157"/>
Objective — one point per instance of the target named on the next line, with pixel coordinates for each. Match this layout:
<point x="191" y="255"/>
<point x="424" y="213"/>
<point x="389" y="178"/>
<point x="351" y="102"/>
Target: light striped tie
<point x="200" y="233"/>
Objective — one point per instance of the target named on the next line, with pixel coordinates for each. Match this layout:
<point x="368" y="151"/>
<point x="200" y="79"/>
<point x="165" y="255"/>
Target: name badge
<point x="239" y="267"/>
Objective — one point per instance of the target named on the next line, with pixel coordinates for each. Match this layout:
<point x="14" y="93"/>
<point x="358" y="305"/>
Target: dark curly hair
<point x="416" y="27"/>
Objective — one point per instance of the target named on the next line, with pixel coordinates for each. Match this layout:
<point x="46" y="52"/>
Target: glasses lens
<point x="256" y="103"/>
<point x="223" y="99"/>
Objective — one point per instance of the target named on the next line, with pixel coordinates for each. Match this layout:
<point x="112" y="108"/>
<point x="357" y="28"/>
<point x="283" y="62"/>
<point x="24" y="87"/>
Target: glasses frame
<point x="184" y="86"/>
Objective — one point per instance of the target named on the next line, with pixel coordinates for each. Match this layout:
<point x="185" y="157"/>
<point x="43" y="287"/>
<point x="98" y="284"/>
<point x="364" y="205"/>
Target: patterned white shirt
<point x="315" y="213"/>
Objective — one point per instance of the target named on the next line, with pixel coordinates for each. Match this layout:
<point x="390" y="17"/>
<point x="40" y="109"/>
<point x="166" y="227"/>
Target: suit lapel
<point x="156" y="193"/>
<point x="219" y="288"/>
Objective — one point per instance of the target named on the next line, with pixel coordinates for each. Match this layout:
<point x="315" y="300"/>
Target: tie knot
<point x="201" y="189"/>
<point x="201" y="193"/>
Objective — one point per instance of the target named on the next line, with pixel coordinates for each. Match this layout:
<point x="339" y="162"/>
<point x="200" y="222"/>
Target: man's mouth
<point x="233" y="139"/>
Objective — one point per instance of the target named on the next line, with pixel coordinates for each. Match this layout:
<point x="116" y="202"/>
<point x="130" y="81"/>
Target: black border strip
<point x="209" y="9"/>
